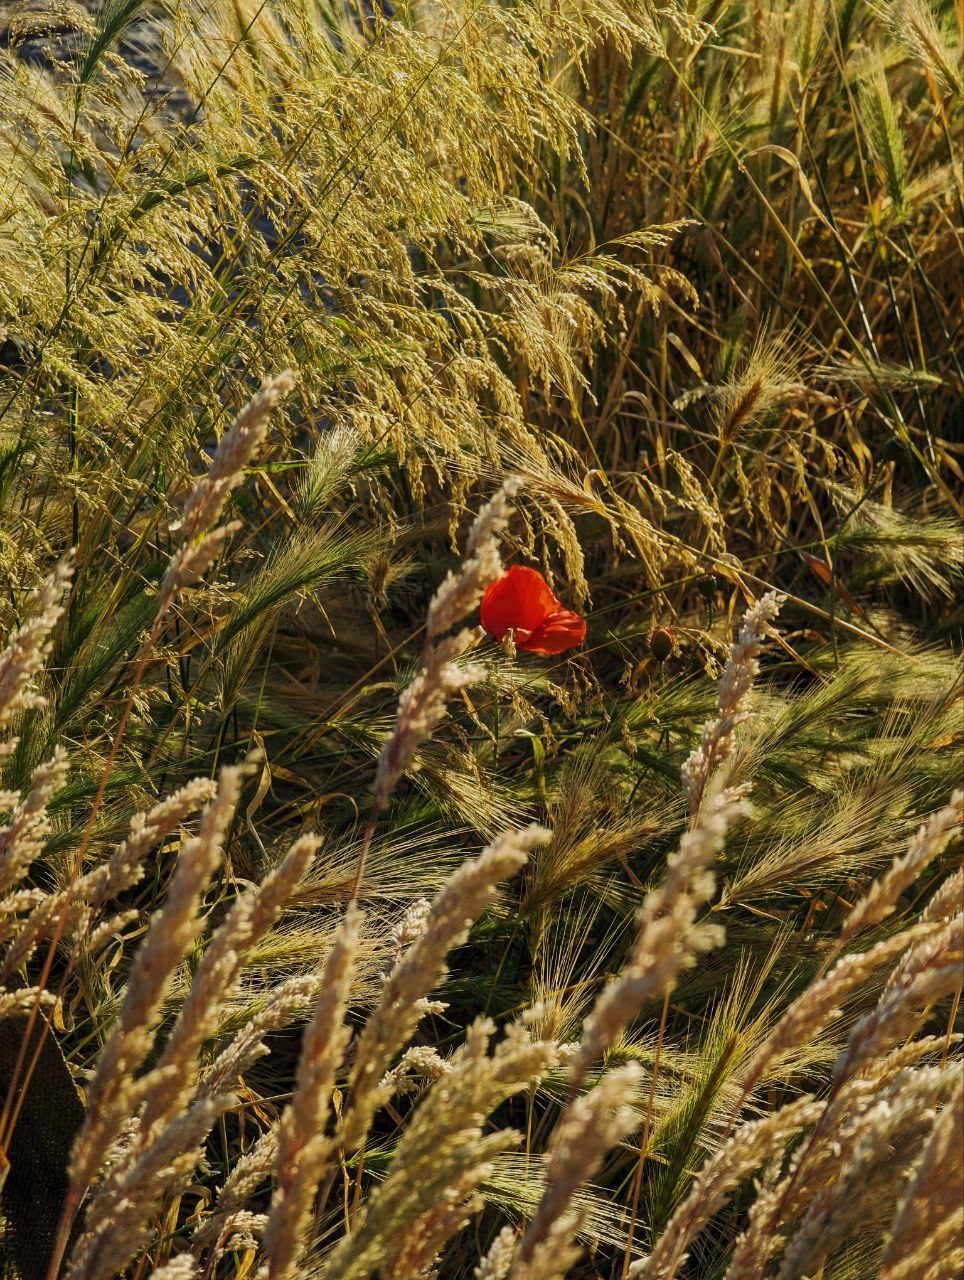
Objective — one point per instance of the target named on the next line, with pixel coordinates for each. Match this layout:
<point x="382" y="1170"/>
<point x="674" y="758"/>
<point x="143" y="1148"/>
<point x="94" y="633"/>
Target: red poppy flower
<point x="521" y="602"/>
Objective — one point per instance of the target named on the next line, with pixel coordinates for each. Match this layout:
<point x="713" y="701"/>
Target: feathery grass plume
<point x="422" y="703"/>
<point x="820" y="1003"/>
<point x="947" y="899"/>
<point x="926" y="1231"/>
<point x="421" y="1246"/>
<point x="810" y="33"/>
<point x="462" y="590"/>
<point x="899" y="1118"/>
<point x="123" y="1222"/>
<point x="554" y="1257"/>
<point x="229" y="1216"/>
<point x="857" y="1132"/>
<point x="746" y="1149"/>
<point x="23" y="836"/>
<point x="14" y="1003"/>
<point x="183" y="1267"/>
<point x="124" y="868"/>
<point x="443" y="1154"/>
<point x="767" y="377"/>
<point x="172" y="931"/>
<point x="420" y="1059"/>
<point x="912" y="24"/>
<point x="304" y="1149"/>
<point x="498" y="1259"/>
<point x="248" y="920"/>
<point x="200" y="542"/>
<point x="731" y="707"/>
<point x="27" y="648"/>
<point x="588" y="1128"/>
<point x="927" y="844"/>
<point x="669" y="938"/>
<point x="930" y="970"/>
<point x="286" y="1002"/>
<point x="422" y="967"/>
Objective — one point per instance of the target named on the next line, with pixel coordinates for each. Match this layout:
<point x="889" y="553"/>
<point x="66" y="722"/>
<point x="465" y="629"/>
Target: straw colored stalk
<point x="172" y="931"/>
<point x="421" y="706"/>
<point x="669" y="937"/>
<point x="123" y="868"/>
<point x="303" y="1147"/>
<point x="27" y="647"/>
<point x="732" y="701"/>
<point x="421" y="968"/>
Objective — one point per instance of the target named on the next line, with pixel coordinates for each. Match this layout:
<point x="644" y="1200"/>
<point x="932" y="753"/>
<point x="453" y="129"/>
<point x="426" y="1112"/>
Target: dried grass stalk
<point x="669" y="937"/>
<point x="926" y="1234"/>
<point x="303" y="1148"/>
<point x="199" y="542"/>
<point x="422" y="967"/>
<point x="172" y="931"/>
<point x="732" y="702"/>
<point x="27" y="648"/>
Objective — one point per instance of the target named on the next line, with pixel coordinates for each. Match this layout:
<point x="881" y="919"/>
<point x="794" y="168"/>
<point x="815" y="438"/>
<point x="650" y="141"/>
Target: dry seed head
<point x="421" y="707"/>
<point x="669" y="939"/>
<point x="463" y="587"/>
<point x="23" y="837"/>
<point x="928" y="972"/>
<point x="821" y="1002"/>
<point x="495" y="1265"/>
<point x="118" y="1219"/>
<point x="927" y="844"/>
<point x="767" y="378"/>
<point x="183" y="1267"/>
<point x="421" y="967"/>
<point x="237" y="448"/>
<point x="248" y="920"/>
<point x="743" y="1151"/>
<point x="200" y="542"/>
<point x="123" y="868"/>
<point x="171" y="932"/>
<point x="731" y="705"/>
<point x="288" y="1001"/>
<point x="411" y="926"/>
<point x="929" y="1211"/>
<point x="587" y="1129"/>
<point x="28" y="646"/>
<point x="662" y="644"/>
<point x="303" y="1148"/>
<point x="912" y="24"/>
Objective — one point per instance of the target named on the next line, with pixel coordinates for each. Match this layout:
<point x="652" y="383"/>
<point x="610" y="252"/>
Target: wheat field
<point x="481" y="579"/>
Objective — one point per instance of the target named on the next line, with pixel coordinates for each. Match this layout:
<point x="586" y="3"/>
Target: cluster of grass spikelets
<point x="335" y="938"/>
<point x="296" y="1195"/>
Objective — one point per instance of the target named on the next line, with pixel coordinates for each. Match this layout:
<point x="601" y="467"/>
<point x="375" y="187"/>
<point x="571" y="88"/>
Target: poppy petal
<point x="561" y="630"/>
<point x="519" y="601"/>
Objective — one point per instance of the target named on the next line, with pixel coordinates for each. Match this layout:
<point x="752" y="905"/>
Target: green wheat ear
<point x="881" y="128"/>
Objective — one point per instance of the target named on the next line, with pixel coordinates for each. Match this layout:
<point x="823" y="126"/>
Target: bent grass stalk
<point x="202" y="510"/>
